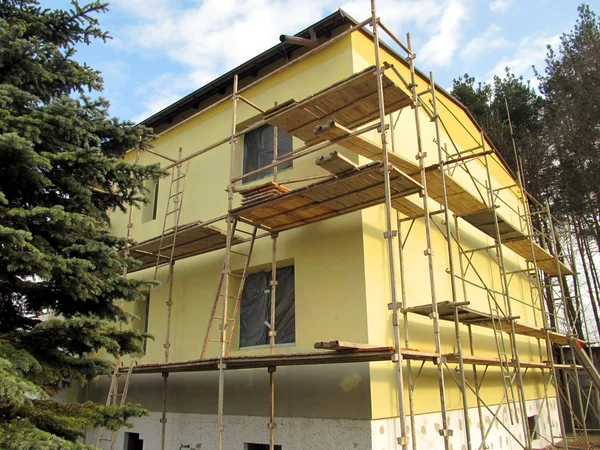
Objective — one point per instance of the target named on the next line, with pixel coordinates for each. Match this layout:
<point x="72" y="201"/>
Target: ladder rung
<point x="220" y="318"/>
<point x="237" y="275"/>
<point x="179" y="177"/>
<point x="218" y="340"/>
<point x="176" y="195"/>
<point x="166" y="246"/>
<point x="239" y="253"/>
<point x="173" y="211"/>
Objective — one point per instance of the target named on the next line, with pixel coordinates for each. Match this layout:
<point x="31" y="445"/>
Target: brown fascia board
<point x="324" y="27"/>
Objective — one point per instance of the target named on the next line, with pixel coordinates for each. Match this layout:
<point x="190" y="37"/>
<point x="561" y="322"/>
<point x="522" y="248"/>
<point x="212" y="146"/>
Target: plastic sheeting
<point x="258" y="150"/>
<point x="255" y="308"/>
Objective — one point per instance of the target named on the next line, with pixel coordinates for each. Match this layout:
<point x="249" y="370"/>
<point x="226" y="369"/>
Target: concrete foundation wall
<point x="199" y="431"/>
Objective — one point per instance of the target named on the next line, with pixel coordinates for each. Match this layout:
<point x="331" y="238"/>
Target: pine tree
<point x="487" y="102"/>
<point x="61" y="174"/>
<point x="571" y="86"/>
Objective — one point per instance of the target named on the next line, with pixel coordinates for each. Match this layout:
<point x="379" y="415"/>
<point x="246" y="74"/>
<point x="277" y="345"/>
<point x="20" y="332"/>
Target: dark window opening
<point x="132" y="441"/>
<point x="255" y="308"/>
<point x="532" y="423"/>
<point x="260" y="447"/>
<point x="258" y="151"/>
<point x="141" y="309"/>
<point x="149" y="208"/>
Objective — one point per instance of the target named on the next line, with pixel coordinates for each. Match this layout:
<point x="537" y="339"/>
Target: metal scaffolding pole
<point x="226" y="265"/>
<point x="403" y="302"/>
<point x="273" y="288"/>
<point x="390" y="233"/>
<point x="451" y="268"/>
<point x="504" y="280"/>
<point x="444" y="431"/>
<point x="571" y="330"/>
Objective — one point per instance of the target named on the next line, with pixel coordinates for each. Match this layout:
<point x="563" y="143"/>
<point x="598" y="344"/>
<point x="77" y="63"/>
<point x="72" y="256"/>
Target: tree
<point x="571" y="87"/>
<point x="61" y="174"/>
<point x="487" y="102"/>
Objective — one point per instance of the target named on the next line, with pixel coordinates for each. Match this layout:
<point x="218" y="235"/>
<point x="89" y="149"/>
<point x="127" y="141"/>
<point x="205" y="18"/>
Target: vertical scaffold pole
<point x="461" y="364"/>
<point x="505" y="288"/>
<point x="444" y="431"/>
<point x="226" y="265"/>
<point x="389" y="233"/>
<point x="571" y="328"/>
<point x="273" y="288"/>
<point x="403" y="299"/>
<point x="167" y="345"/>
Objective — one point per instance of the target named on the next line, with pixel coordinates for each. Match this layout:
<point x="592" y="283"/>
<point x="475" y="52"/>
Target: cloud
<point x="202" y="40"/>
<point x="490" y="40"/>
<point x="442" y="46"/>
<point x="206" y="39"/>
<point x="500" y="6"/>
<point x="529" y="51"/>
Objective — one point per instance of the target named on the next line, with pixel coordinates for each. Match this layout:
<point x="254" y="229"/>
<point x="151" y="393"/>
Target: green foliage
<point x="571" y="85"/>
<point x="487" y="102"/>
<point x="61" y="174"/>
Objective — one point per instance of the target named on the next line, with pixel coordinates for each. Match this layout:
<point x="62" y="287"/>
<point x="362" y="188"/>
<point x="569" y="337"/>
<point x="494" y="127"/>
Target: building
<point x="406" y="303"/>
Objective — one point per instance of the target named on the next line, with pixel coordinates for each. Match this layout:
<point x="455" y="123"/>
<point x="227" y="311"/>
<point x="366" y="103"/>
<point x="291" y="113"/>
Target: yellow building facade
<point x="341" y="284"/>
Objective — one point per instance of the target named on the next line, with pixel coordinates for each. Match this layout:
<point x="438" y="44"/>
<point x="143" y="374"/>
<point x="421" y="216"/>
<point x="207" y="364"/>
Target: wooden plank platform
<point x="373" y="354"/>
<point x="470" y="316"/>
<point x="192" y="239"/>
<point x="460" y="201"/>
<point x="352" y="102"/>
<point x="383" y="353"/>
<point x="359" y="189"/>
<point x="488" y="361"/>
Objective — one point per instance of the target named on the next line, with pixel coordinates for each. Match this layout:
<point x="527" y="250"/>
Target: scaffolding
<point x="341" y="115"/>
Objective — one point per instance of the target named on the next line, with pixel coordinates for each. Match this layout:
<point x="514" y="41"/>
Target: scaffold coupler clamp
<point x="403" y="440"/>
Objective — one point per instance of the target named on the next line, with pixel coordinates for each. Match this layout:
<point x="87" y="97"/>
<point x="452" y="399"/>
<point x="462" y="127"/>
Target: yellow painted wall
<point x="342" y="279"/>
<point x="464" y="135"/>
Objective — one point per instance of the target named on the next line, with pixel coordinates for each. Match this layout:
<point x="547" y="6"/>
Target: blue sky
<point x="164" y="49"/>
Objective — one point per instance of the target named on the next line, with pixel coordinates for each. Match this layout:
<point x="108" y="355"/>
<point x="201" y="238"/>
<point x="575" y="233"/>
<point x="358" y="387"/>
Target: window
<point x="258" y="150"/>
<point x="255" y="308"/>
<point x="260" y="447"/>
<point x="132" y="441"/>
<point x="140" y="309"/>
<point x="532" y="423"/>
<point x="149" y="208"/>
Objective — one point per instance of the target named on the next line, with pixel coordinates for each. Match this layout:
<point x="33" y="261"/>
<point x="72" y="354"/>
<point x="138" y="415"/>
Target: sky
<point x="162" y="50"/>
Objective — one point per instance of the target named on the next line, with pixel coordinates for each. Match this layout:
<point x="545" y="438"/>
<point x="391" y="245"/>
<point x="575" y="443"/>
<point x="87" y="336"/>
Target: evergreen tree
<point x="571" y="87"/>
<point x="61" y="174"/>
<point x="487" y="102"/>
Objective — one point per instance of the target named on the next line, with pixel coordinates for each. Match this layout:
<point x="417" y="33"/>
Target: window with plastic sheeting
<point x="255" y="308"/>
<point x="258" y="151"/>
<point x="141" y="309"/>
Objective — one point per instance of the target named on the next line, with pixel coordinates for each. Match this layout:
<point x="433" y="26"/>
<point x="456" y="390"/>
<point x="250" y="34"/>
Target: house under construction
<point x="345" y="262"/>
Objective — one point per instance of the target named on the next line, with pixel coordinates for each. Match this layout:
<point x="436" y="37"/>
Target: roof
<point x="282" y="51"/>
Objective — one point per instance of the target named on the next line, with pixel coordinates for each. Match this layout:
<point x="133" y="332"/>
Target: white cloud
<point x="500" y="6"/>
<point x="207" y="39"/>
<point x="442" y="46"/>
<point x="530" y="51"/>
<point x="202" y="41"/>
<point x="490" y="40"/>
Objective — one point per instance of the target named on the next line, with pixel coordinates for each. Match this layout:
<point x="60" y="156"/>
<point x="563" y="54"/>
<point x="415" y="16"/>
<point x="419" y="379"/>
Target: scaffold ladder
<point x="115" y="398"/>
<point x="223" y="292"/>
<point x="168" y="236"/>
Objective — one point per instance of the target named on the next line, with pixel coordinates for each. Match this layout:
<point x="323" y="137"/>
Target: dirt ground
<point x="580" y="443"/>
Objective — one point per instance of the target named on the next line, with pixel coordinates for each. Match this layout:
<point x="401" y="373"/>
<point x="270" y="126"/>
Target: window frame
<point x="286" y="148"/>
<point x="266" y="286"/>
